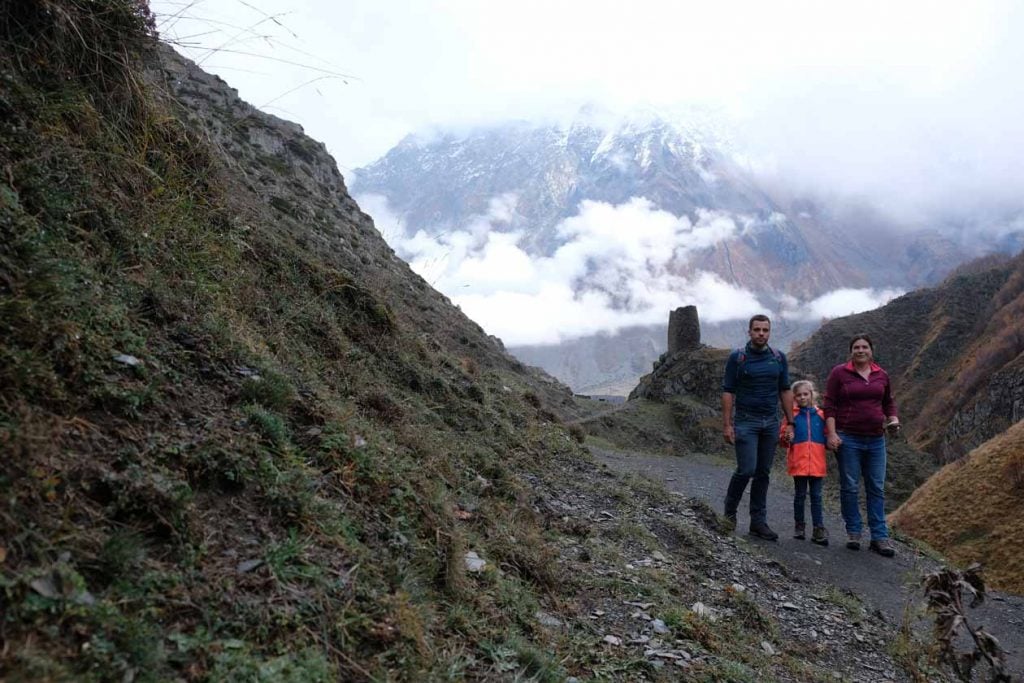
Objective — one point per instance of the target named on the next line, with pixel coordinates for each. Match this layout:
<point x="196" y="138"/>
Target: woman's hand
<point x="893" y="426"/>
<point x="833" y="441"/>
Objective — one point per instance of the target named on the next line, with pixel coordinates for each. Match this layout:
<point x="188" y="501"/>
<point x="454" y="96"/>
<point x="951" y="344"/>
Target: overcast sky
<point x="917" y="106"/>
<point x="862" y="93"/>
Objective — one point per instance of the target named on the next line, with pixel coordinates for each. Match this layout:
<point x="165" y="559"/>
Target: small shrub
<point x="122" y="552"/>
<point x="237" y="663"/>
<point x="750" y="614"/>
<point x="380" y="404"/>
<point x="577" y="432"/>
<point x="270" y="390"/>
<point x="1013" y="471"/>
<point x="269" y="424"/>
<point x="470" y="367"/>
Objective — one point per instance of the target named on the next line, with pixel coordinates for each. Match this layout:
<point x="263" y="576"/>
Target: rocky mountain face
<point x="783" y="244"/>
<point x="953" y="351"/>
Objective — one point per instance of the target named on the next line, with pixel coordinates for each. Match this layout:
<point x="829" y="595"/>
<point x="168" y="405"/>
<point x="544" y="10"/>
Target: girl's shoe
<point x="819" y="535"/>
<point x="798" y="531"/>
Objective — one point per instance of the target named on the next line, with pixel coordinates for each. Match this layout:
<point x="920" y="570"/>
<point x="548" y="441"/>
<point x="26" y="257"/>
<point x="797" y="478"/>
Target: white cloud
<point x="620" y="265"/>
<point x="838" y="303"/>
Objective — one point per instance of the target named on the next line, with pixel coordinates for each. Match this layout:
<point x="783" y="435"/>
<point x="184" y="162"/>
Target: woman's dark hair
<point x="857" y="337"/>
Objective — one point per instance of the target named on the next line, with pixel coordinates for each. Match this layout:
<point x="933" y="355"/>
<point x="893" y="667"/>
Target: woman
<point x="859" y="408"/>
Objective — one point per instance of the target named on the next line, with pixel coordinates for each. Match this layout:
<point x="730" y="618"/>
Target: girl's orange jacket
<point x="805" y="457"/>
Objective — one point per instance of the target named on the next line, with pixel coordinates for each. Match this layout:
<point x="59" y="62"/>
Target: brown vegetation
<point x="972" y="510"/>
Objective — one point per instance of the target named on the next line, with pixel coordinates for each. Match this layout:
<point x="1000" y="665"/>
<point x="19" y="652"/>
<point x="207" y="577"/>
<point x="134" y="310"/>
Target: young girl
<point x="805" y="460"/>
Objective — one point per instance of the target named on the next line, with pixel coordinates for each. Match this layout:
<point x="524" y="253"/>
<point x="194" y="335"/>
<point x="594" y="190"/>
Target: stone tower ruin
<point x="683" y="329"/>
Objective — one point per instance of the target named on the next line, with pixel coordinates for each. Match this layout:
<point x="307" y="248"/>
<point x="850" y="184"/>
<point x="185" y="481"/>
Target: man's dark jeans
<point x="756" y="438"/>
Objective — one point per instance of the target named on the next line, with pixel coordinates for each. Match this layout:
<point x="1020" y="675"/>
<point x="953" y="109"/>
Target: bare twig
<point x="945" y="591"/>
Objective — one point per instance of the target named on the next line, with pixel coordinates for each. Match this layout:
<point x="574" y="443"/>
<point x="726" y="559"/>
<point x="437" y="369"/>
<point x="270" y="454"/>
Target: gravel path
<point x="887" y="585"/>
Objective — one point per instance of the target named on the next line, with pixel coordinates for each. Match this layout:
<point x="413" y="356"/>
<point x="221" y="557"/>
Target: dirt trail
<point x="887" y="585"/>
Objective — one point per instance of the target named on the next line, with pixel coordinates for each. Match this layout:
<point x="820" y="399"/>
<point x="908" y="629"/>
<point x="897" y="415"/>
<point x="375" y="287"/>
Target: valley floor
<point x="887" y="587"/>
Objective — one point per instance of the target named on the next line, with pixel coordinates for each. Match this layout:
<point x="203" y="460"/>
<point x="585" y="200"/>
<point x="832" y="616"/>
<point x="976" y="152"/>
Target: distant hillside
<point x="954" y="352"/>
<point x="990" y="529"/>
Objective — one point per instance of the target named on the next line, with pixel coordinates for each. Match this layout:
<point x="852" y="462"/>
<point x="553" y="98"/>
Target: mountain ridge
<point x="762" y="239"/>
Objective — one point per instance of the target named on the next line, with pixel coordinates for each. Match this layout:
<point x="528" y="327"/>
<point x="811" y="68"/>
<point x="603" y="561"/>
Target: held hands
<point x="788" y="433"/>
<point x="833" y="441"/>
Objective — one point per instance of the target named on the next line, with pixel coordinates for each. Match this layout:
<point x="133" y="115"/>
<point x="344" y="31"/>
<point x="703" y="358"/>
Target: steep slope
<point x="242" y="441"/>
<point x="953" y="352"/>
<point x="972" y="510"/>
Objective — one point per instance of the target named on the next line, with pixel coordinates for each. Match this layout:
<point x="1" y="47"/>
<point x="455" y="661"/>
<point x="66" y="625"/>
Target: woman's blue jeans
<point x="800" y="486"/>
<point x="756" y="438"/>
<point x="863" y="456"/>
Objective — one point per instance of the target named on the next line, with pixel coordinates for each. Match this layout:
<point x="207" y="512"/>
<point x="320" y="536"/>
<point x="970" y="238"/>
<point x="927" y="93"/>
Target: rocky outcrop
<point x="688" y="368"/>
<point x="997" y="407"/>
<point x="695" y="372"/>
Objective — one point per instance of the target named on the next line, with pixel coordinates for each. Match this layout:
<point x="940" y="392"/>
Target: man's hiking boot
<point x="729" y="522"/>
<point x="819" y="535"/>
<point x="883" y="547"/>
<point x="799" y="531"/>
<point x="853" y="541"/>
<point x="762" y="530"/>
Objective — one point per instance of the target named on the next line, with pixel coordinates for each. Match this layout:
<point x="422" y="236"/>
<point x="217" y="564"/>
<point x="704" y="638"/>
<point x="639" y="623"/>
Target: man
<point x="756" y="378"/>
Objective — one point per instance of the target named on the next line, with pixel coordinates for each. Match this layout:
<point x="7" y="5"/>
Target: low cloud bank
<point x="837" y="303"/>
<point x="620" y="266"/>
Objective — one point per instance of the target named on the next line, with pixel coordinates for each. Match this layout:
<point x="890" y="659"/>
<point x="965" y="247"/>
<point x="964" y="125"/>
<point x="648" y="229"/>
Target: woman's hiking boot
<point x="762" y="530"/>
<point x="819" y="535"/>
<point x="853" y="541"/>
<point x="799" y="531"/>
<point x="883" y="547"/>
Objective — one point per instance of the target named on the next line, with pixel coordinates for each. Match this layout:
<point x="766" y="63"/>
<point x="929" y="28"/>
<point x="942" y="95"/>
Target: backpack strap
<point x="741" y="356"/>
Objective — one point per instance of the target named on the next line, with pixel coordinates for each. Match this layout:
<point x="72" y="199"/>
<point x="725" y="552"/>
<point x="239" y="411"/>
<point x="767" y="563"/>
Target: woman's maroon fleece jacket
<point x="859" y="406"/>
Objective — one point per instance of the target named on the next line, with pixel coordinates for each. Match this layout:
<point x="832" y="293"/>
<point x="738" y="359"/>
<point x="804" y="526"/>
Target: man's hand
<point x="729" y="433"/>
<point x="790" y="433"/>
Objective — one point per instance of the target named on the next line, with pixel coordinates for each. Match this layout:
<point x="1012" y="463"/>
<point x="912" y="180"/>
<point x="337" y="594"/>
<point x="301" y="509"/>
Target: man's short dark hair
<point x="760" y="317"/>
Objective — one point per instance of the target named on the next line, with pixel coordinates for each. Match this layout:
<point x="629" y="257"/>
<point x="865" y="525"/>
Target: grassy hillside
<point x="990" y="529"/>
<point x="242" y="441"/>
